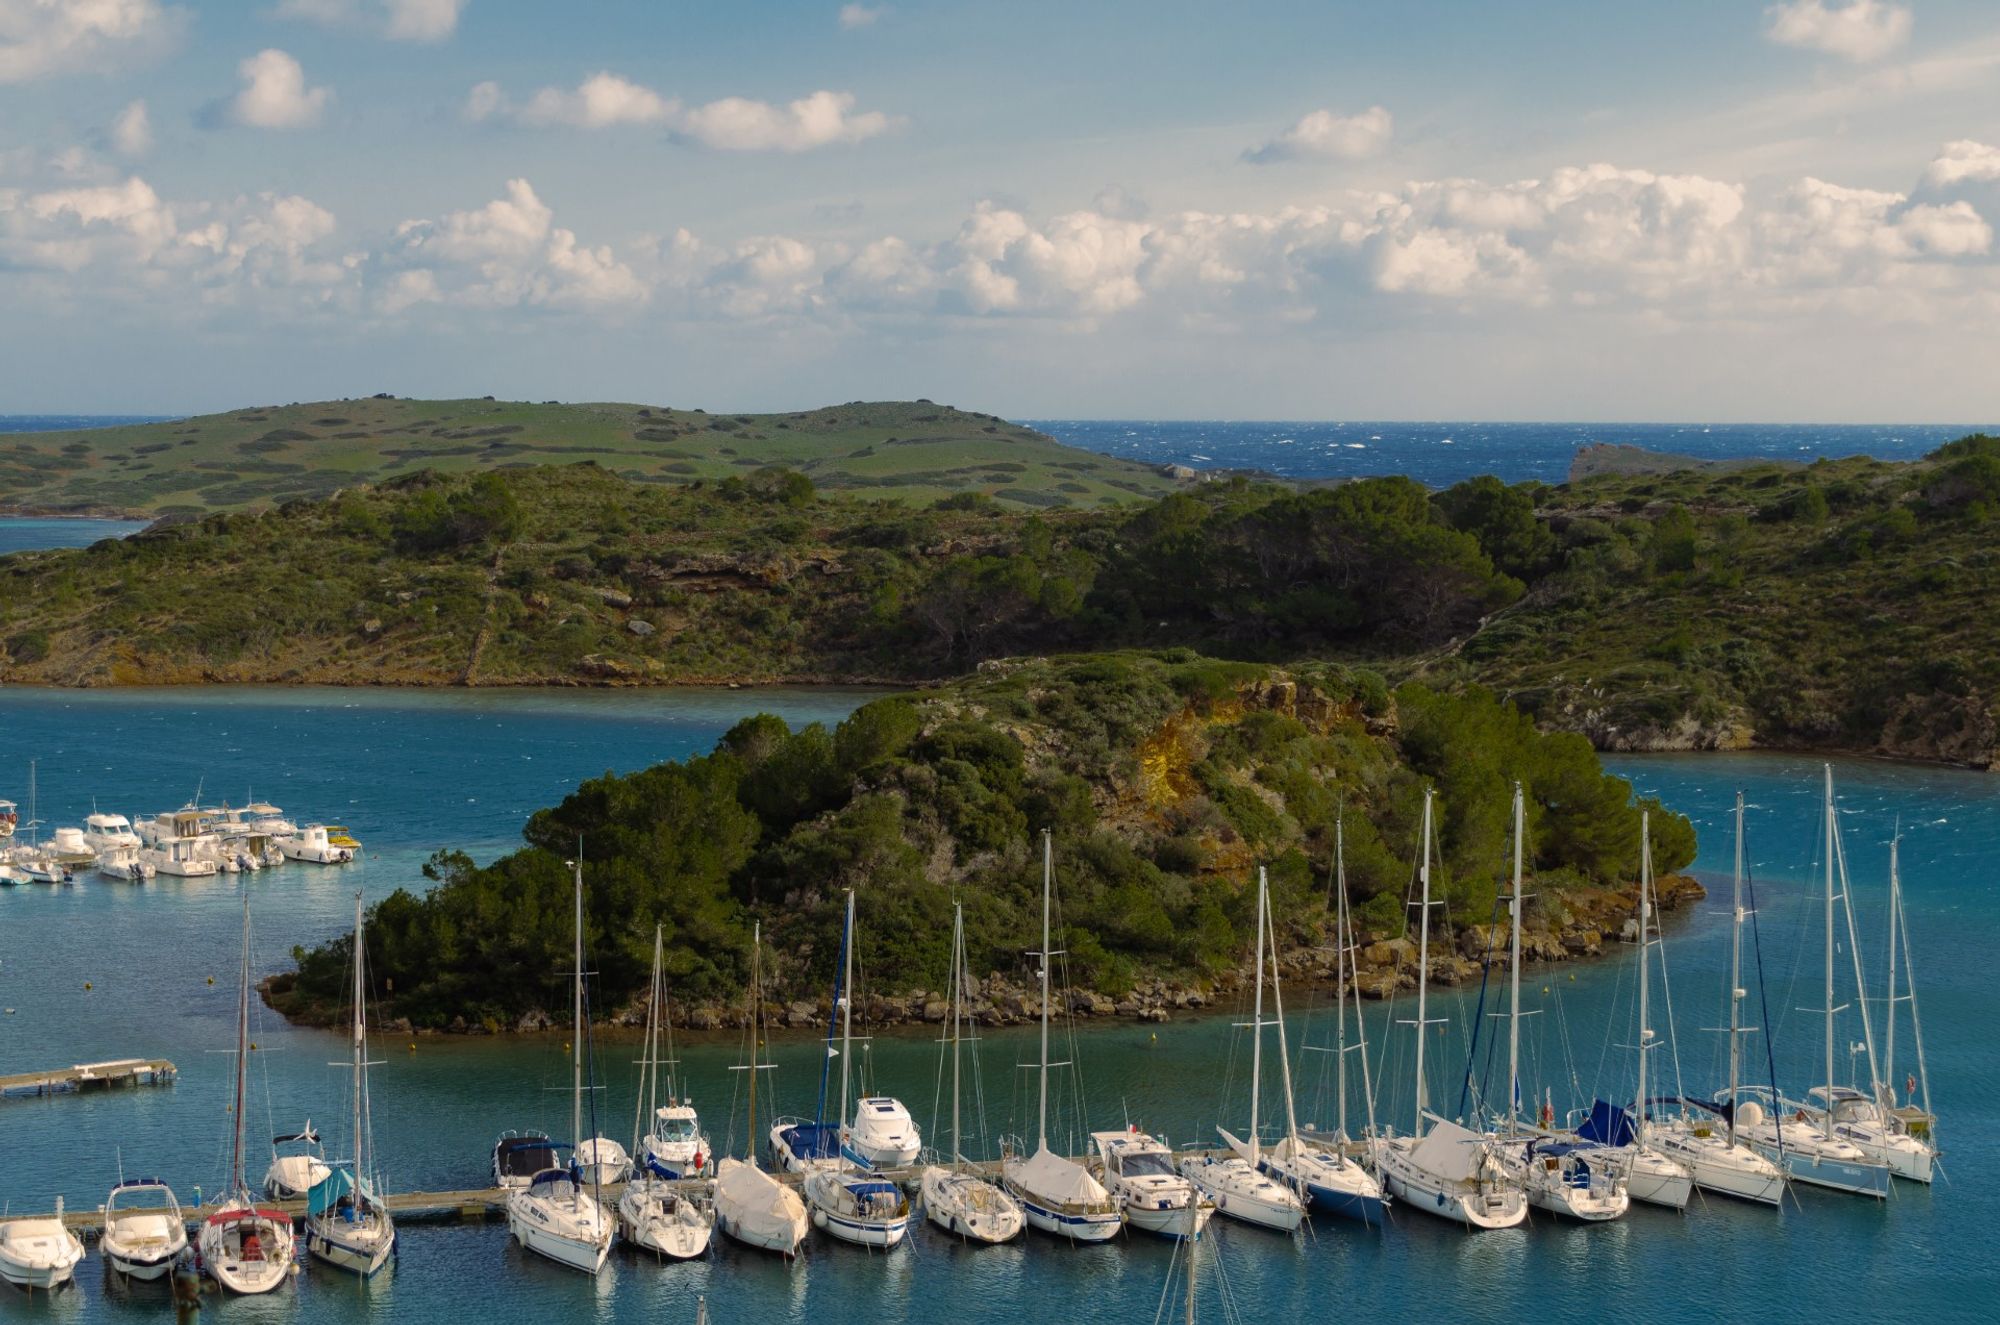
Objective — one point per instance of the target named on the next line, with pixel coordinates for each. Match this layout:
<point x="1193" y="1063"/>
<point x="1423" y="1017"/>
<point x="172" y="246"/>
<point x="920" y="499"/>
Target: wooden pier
<point x="113" y="1074"/>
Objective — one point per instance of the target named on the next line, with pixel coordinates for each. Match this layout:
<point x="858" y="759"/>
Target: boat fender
<point x="1440" y="1199"/>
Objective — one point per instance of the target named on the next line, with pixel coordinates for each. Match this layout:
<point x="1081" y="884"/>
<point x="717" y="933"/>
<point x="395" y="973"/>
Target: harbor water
<point x="105" y="970"/>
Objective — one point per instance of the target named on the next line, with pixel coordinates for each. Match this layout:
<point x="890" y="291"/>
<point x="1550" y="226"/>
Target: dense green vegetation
<point x="566" y="574"/>
<point x="1164" y="778"/>
<point x="249" y="459"/>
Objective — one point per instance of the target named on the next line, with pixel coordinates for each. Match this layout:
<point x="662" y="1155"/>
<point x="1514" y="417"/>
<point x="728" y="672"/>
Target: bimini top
<point x="554" y="1182"/>
<point x="524" y="1156"/>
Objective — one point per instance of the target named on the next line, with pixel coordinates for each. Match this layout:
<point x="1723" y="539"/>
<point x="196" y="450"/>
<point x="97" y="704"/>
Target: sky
<point x="1268" y="209"/>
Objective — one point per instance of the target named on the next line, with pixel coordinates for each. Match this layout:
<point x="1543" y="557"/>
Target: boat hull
<point x="1180" y="1221"/>
<point x="971" y="1208"/>
<point x="1089" y="1227"/>
<point x="1839" y="1175"/>
<point x="361" y="1250"/>
<point x="1364" y="1201"/>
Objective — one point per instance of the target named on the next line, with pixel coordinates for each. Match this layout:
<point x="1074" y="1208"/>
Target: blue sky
<point x="1702" y="210"/>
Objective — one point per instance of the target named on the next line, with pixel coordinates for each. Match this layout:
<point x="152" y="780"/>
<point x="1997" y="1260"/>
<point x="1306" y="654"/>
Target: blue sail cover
<point x="327" y="1195"/>
<point x="809" y="1141"/>
<point x="1608" y="1125"/>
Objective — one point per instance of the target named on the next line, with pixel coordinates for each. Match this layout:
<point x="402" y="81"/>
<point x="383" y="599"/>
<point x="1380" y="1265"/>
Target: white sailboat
<point x="145" y="1231"/>
<point x="1444" y="1169"/>
<point x="347" y="1224"/>
<point x="959" y="1202"/>
<point x="1234" y="1183"/>
<point x="557" y="1215"/>
<point x="750" y="1205"/>
<point x="1324" y="1175"/>
<point x="245" y="1248"/>
<point x="1806" y="1143"/>
<point x="1058" y="1194"/>
<point x="850" y="1204"/>
<point x="1718" y="1161"/>
<point x="654" y="1212"/>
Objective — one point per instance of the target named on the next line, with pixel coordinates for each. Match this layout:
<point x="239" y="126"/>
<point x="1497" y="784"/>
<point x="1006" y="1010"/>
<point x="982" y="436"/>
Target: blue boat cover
<point x="813" y="1140"/>
<point x="1608" y="1125"/>
<point x="329" y="1192"/>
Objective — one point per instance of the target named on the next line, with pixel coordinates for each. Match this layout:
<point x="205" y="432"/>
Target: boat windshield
<point x="1145" y="1164"/>
<point x="675" y="1129"/>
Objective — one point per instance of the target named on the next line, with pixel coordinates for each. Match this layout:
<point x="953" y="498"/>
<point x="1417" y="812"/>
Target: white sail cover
<point x="1050" y="1177"/>
<point x="1449" y="1151"/>
<point x="757" y="1205"/>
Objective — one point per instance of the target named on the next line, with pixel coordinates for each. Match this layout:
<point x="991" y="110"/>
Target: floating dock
<point x="112" y="1074"/>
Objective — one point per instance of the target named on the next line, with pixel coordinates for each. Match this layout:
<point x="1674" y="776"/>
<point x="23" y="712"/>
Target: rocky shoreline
<point x="1585" y="924"/>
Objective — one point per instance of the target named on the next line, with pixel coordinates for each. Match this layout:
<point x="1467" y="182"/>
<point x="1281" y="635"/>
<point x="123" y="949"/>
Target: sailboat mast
<point x="1645" y="973"/>
<point x="1736" y="974"/>
<point x="957" y="1024"/>
<point x="1514" y="971"/>
<point x="1048" y="871"/>
<point x="1860" y="982"/>
<point x="1346" y="958"/>
<point x="576" y="1020"/>
<point x="756" y="978"/>
<point x="1916" y="1022"/>
<point x="242" y="1052"/>
<point x="1828" y="1078"/>
<point x="1284" y="1049"/>
<point x="1257" y="1025"/>
<point x="1423" y="961"/>
<point x="360" y="1050"/>
<point x="846" y="1018"/>
<point x="1889" y="1004"/>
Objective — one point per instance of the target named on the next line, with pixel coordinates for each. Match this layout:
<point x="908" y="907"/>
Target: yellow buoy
<point x="211" y="979"/>
<point x="86" y="986"/>
<point x="413" y="1046"/>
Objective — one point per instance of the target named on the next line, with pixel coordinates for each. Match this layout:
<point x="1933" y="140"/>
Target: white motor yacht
<point x="884" y="1133"/>
<point x="68" y="846"/>
<point x="106" y="832"/>
<point x="310" y="844"/>
<point x="1138" y="1171"/>
<point x="125" y="863"/>
<point x="676" y="1147"/>
<point x="39" y="1253"/>
<point x="145" y="1231"/>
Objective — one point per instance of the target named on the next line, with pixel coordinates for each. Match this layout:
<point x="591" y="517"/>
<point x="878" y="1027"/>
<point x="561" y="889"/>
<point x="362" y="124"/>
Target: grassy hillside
<point x="252" y="458"/>
<point x="1165" y="780"/>
<point x="1843" y="604"/>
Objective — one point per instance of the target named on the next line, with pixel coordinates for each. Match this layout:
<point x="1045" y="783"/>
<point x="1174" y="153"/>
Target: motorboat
<point x="558" y="1215"/>
<point x="310" y="844"/>
<point x="347" y="1224"/>
<point x="1058" y="1195"/>
<point x="266" y="818"/>
<point x="601" y="1162"/>
<point x="35" y="865"/>
<point x="955" y="1199"/>
<point x="39" y="1253"/>
<point x="1574" y="1179"/>
<point x="145" y="1231"/>
<point x="884" y="1134"/>
<point x="108" y="832"/>
<point x="751" y="1206"/>
<point x="10" y="817"/>
<point x="244" y="1247"/>
<point x="1138" y="1171"/>
<point x="177" y="843"/>
<point x="292" y="1175"/>
<point x="69" y="847"/>
<point x="124" y="863"/>
<point x="675" y="1147"/>
<point x="519" y="1156"/>
<point x="843" y="1198"/>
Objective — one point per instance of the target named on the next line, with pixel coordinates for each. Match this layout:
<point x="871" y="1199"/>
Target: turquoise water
<point x="413" y="771"/>
<point x="20" y="533"/>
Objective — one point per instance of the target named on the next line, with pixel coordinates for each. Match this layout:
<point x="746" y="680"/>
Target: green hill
<point x="252" y="458"/>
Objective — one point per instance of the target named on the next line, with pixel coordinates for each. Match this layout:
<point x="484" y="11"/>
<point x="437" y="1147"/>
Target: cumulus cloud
<point x="398" y="20"/>
<point x="509" y="253"/>
<point x="861" y="16"/>
<point x="1964" y="161"/>
<point x="132" y="131"/>
<point x="274" y="95"/>
<point x="1859" y="30"/>
<point x="1323" y="134"/>
<point x="39" y="38"/>
<point x="732" y="124"/>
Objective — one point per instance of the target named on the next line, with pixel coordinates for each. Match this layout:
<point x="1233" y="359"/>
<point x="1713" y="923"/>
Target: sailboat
<point x="1235" y="1183"/>
<point x="1650" y="1174"/>
<point x="1058" y="1194"/>
<point x="1899" y="1138"/>
<point x="1717" y="1161"/>
<point x="750" y="1205"/>
<point x="653" y="1211"/>
<point x="1805" y="1142"/>
<point x="244" y="1247"/>
<point x="956" y="1201"/>
<point x="1444" y="1168"/>
<point x="347" y="1224"/>
<point x="674" y="1147"/>
<point x="1323" y="1174"/>
<point x="851" y="1205"/>
<point x="557" y="1215"/>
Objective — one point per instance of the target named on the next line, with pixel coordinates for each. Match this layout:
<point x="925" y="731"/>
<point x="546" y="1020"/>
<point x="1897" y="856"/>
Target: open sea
<point x="104" y="969"/>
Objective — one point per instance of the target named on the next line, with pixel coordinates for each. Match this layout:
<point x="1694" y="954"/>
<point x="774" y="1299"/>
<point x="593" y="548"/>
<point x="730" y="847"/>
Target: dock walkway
<point x="112" y="1074"/>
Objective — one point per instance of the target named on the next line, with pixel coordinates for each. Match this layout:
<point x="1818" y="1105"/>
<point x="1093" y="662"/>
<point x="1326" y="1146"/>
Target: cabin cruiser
<point x="68" y="847"/>
<point x="124" y="863"/>
<point x="39" y="1253"/>
<point x="310" y="844"/>
<point x="884" y="1134"/>
<point x="1138" y="1171"/>
<point x="178" y="843"/>
<point x="675" y="1148"/>
<point x="290" y="1177"/>
<point x="110" y="832"/>
<point x="519" y="1156"/>
<point x="144" y="1229"/>
<point x="601" y="1162"/>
